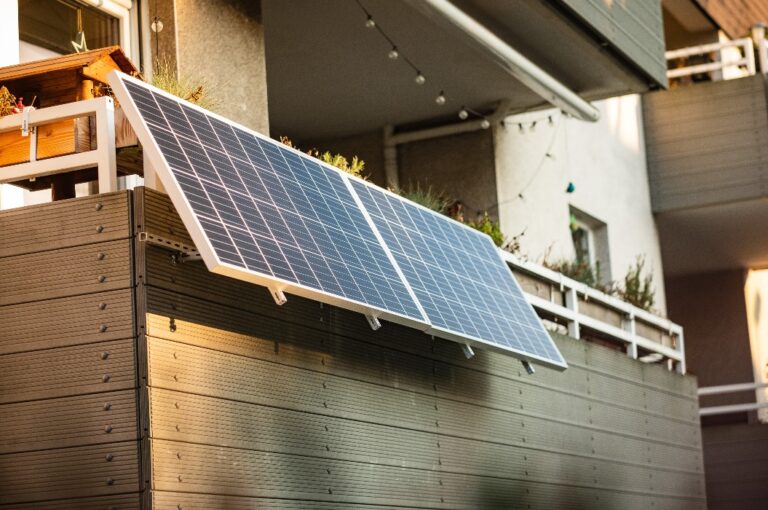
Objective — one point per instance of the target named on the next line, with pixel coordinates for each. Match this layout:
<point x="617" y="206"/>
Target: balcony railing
<point x="589" y="313"/>
<point x="728" y="389"/>
<point x="720" y="55"/>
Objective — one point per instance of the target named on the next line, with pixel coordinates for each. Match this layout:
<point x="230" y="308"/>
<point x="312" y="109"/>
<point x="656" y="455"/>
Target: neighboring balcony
<point x="707" y="150"/>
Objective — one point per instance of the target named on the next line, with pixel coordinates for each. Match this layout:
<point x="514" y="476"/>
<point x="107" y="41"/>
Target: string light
<point x="485" y="124"/>
<point x="440" y="99"/>
<point x="463" y="113"/>
<point x="369" y="23"/>
<point x="393" y="53"/>
<point x="420" y="80"/>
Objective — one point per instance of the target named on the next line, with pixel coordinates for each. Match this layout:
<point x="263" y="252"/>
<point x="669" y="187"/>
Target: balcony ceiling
<point x="329" y="76"/>
<point x="713" y="238"/>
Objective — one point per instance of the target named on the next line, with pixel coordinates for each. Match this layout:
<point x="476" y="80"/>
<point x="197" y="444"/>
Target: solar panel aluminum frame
<point x="277" y="286"/>
<point x="465" y="338"/>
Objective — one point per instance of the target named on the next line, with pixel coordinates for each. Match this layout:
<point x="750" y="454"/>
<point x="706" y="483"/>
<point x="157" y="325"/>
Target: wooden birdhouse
<point x="57" y="81"/>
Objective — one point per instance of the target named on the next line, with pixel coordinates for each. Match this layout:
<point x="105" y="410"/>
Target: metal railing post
<point x="572" y="303"/>
<point x="758" y="38"/>
<point x="631" y="326"/>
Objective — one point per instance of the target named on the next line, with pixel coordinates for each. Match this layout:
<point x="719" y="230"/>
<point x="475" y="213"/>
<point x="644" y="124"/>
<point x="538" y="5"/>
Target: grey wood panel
<point x="118" y="502"/>
<point x="534" y="496"/>
<point x="208" y="469"/>
<point x="69" y="473"/>
<point x="65" y="223"/>
<point x="66" y="321"/>
<point x="184" y="368"/>
<point x="635" y="29"/>
<point x="197" y="419"/>
<point x="156" y="214"/>
<point x="70" y="421"/>
<point x="65" y="272"/>
<point x="707" y="143"/>
<point x="67" y="371"/>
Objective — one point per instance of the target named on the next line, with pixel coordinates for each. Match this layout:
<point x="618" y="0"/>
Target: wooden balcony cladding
<point x="302" y="405"/>
<point x="68" y="399"/>
<point x="707" y="143"/>
<point x="635" y="29"/>
<point x="735" y="17"/>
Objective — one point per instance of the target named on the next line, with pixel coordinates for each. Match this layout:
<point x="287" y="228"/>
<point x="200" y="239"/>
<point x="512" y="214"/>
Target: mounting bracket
<point x="467" y="350"/>
<point x="528" y="367"/>
<point x="182" y="252"/>
<point x="373" y="321"/>
<point x="278" y="295"/>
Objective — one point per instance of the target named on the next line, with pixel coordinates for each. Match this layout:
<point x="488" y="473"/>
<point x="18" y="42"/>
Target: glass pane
<point x="580" y="238"/>
<point x="52" y="24"/>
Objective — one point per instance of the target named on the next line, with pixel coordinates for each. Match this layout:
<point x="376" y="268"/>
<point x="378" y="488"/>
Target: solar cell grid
<point x="266" y="213"/>
<point x="271" y="211"/>
<point x="465" y="288"/>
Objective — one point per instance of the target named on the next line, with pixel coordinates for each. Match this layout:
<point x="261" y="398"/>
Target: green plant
<point x="7" y="102"/>
<point x="487" y="226"/>
<point x="638" y="287"/>
<point x="192" y="89"/>
<point x="579" y="270"/>
<point x="355" y="167"/>
<point x="425" y="196"/>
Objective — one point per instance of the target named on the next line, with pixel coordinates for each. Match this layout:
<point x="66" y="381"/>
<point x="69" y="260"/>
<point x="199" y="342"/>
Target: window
<point x="590" y="243"/>
<point x="54" y="24"/>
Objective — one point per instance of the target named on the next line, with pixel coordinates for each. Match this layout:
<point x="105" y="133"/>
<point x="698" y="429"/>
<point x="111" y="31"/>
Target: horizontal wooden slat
<point x="118" y="502"/>
<point x="181" y="367"/>
<point x="71" y="421"/>
<point x="66" y="321"/>
<point x="197" y="468"/>
<point x="197" y="419"/>
<point x="66" y="272"/>
<point x="65" y="223"/>
<point x="69" y="473"/>
<point x="67" y="371"/>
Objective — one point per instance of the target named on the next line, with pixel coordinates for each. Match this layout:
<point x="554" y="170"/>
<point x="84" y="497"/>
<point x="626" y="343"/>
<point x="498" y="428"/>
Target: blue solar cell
<point x="465" y="288"/>
<point x="270" y="210"/>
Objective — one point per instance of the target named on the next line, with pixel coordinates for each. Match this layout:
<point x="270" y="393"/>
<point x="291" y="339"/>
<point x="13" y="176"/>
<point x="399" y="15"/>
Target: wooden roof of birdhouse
<point x="94" y="65"/>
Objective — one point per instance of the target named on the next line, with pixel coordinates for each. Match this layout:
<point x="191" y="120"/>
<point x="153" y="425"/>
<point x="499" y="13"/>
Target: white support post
<point x="758" y="39"/>
<point x="631" y="326"/>
<point x="749" y="56"/>
<point x="681" y="367"/>
<point x="572" y="303"/>
<point x="151" y="179"/>
<point x="107" y="155"/>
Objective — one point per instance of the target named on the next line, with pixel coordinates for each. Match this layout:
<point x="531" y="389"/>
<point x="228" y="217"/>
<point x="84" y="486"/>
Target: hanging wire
<point x="392" y="44"/>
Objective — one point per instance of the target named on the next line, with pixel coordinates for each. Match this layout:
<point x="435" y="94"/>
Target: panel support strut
<point x="278" y="296"/>
<point x="373" y="321"/>
<point x="467" y="350"/>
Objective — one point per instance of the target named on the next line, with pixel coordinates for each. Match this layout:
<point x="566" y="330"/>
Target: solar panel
<point x="263" y="212"/>
<point x="466" y="289"/>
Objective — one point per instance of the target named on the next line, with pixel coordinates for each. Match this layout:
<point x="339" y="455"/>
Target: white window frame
<point x="590" y="239"/>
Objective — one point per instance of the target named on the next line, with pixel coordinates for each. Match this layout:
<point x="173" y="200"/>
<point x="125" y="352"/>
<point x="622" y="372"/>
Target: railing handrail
<point x="748" y="60"/>
<point x="724" y="389"/>
<point x="575" y="319"/>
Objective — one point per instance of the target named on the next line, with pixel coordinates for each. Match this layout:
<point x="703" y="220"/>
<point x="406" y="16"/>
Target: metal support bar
<point x="528" y="367"/>
<point x="731" y="388"/>
<point x="734" y="408"/>
<point x="373" y="321"/>
<point x="467" y="350"/>
<point x="181" y="252"/>
<point x="278" y="296"/>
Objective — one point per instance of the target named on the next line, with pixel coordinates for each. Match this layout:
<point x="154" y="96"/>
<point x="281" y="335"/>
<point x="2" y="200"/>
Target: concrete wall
<point x="712" y="309"/>
<point x="605" y="161"/>
<point x="462" y="166"/>
<point x="222" y="42"/>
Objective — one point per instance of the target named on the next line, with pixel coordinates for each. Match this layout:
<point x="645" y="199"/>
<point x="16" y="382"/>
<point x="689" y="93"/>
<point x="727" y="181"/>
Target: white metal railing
<point x="575" y="320"/>
<point x="721" y="61"/>
<point x="104" y="157"/>
<point x="731" y="408"/>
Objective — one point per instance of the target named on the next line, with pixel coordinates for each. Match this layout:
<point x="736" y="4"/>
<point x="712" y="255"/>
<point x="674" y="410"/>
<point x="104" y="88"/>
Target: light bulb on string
<point x="393" y="53"/>
<point x="485" y="124"/>
<point x="157" y="25"/>
<point x="463" y="113"/>
<point x="420" y="79"/>
<point x="369" y="23"/>
<point x="440" y="99"/>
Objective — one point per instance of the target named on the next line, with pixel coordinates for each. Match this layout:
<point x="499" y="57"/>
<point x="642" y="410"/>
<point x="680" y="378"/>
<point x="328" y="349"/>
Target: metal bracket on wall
<point x="278" y="295"/>
<point x="373" y="321"/>
<point x="468" y="351"/>
<point x="528" y="367"/>
<point x="181" y="252"/>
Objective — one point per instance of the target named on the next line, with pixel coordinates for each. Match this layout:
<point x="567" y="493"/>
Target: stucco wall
<point x="605" y="161"/>
<point x="222" y="42"/>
